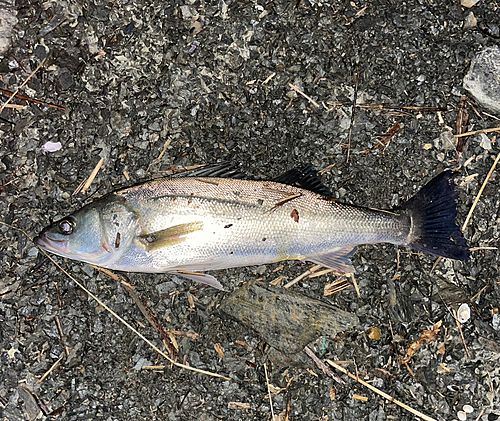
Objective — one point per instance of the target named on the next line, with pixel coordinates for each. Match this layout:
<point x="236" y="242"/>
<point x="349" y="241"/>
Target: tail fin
<point x="433" y="211"/>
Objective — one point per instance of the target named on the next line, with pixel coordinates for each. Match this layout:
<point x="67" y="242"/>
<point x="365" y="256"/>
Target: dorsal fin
<point x="304" y="177"/>
<point x="219" y="170"/>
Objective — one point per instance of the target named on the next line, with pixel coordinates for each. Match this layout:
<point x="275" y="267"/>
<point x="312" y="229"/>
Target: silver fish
<point x="213" y="219"/>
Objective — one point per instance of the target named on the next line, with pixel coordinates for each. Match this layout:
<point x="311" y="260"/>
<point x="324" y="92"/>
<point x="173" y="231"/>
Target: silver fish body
<point x="194" y="224"/>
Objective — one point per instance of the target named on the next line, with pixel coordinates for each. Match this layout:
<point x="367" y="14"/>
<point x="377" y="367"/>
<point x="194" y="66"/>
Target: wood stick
<point x="480" y="192"/>
<point x="312" y="101"/>
<point x="378" y="391"/>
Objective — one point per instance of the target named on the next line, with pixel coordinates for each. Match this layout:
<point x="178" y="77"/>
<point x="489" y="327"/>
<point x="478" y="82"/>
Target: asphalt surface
<point x="148" y="85"/>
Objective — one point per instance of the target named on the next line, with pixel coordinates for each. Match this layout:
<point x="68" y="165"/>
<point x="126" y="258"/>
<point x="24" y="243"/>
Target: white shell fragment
<point x="52" y="146"/>
<point x="462" y="416"/>
<point x="468" y="409"/>
<point x="463" y="313"/>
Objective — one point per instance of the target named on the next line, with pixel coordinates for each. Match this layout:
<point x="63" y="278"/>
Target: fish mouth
<point x="51" y="244"/>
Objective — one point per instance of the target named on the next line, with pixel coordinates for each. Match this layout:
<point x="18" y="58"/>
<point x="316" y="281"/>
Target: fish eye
<point x="66" y="227"/>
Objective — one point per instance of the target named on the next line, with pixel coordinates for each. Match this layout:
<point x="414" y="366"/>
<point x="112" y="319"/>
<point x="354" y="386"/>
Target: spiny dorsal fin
<point x="219" y="170"/>
<point x="304" y="177"/>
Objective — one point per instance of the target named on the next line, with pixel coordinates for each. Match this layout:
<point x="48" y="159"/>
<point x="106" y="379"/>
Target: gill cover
<point x="98" y="233"/>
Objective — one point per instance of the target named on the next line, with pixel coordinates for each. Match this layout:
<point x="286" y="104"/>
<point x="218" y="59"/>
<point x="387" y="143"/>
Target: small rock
<point x="470" y="21"/>
<point x="51" y="146"/>
<point x="65" y="79"/>
<point x="496" y="321"/>
<point x="483" y="79"/>
<point x="41" y="51"/>
<point x="33" y="252"/>
<point x="469" y="3"/>
<point x="121" y="125"/>
<point x="141" y="363"/>
<point x="286" y="320"/>
<point x="186" y="12"/>
<point x="468" y="409"/>
<point x="463" y="313"/>
<point x="261" y="270"/>
<point x="485" y="142"/>
<point x="445" y="141"/>
<point x="8" y="20"/>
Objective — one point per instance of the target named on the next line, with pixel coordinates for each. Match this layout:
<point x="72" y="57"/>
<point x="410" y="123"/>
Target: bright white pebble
<point x="463" y="313"/>
<point x="468" y="409"/>
<point x="462" y="416"/>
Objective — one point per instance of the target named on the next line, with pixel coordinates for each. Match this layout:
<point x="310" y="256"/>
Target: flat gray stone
<point x="483" y="79"/>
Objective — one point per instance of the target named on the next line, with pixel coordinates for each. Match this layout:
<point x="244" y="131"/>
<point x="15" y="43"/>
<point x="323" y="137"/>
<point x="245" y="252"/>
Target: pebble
<point x="446" y="141"/>
<point x="462" y="416"/>
<point x="468" y="3"/>
<point x="463" y="313"/>
<point x="470" y="21"/>
<point x="485" y="142"/>
<point x="496" y="321"/>
<point x="483" y="79"/>
<point x="468" y="409"/>
<point x="8" y="13"/>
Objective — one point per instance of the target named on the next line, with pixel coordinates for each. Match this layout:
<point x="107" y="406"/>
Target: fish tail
<point x="433" y="211"/>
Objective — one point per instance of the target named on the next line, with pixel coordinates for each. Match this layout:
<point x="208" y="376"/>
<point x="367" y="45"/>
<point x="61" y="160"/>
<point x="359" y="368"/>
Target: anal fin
<point x="338" y="259"/>
<point x="202" y="278"/>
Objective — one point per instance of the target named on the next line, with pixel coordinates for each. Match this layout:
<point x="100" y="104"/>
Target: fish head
<point x="98" y="233"/>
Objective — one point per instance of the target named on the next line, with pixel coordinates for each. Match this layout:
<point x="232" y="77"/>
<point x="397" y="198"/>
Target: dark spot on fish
<point x="264" y="239"/>
<point x="174" y="198"/>
<point x="228" y="226"/>
<point x="237" y="193"/>
<point x="190" y="199"/>
<point x="231" y="252"/>
<point x="118" y="240"/>
<point x="295" y="215"/>
<point x="260" y="202"/>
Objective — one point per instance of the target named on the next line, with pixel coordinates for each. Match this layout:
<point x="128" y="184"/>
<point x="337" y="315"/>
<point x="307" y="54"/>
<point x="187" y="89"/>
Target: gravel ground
<point x="150" y="84"/>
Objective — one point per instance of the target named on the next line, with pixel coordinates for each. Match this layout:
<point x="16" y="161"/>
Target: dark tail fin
<point x="433" y="211"/>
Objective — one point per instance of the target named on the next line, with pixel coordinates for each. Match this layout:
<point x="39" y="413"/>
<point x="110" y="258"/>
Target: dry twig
<point x="322" y="366"/>
<point x="459" y="325"/>
<point x="494" y="129"/>
<point x="50" y="369"/>
<point x="480" y="192"/>
<point x="312" y="101"/>
<point x="27" y="98"/>
<point x="269" y="392"/>
<point x="92" y="176"/>
<point x="24" y="83"/>
<point x="378" y="391"/>
<point x="300" y="277"/>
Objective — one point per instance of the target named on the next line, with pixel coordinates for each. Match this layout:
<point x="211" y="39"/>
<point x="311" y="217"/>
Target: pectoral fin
<point x="169" y="236"/>
<point x="202" y="278"/>
<point x="339" y="259"/>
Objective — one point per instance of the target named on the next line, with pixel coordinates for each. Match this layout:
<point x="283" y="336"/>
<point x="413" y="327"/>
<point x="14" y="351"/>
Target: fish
<point x="216" y="217"/>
